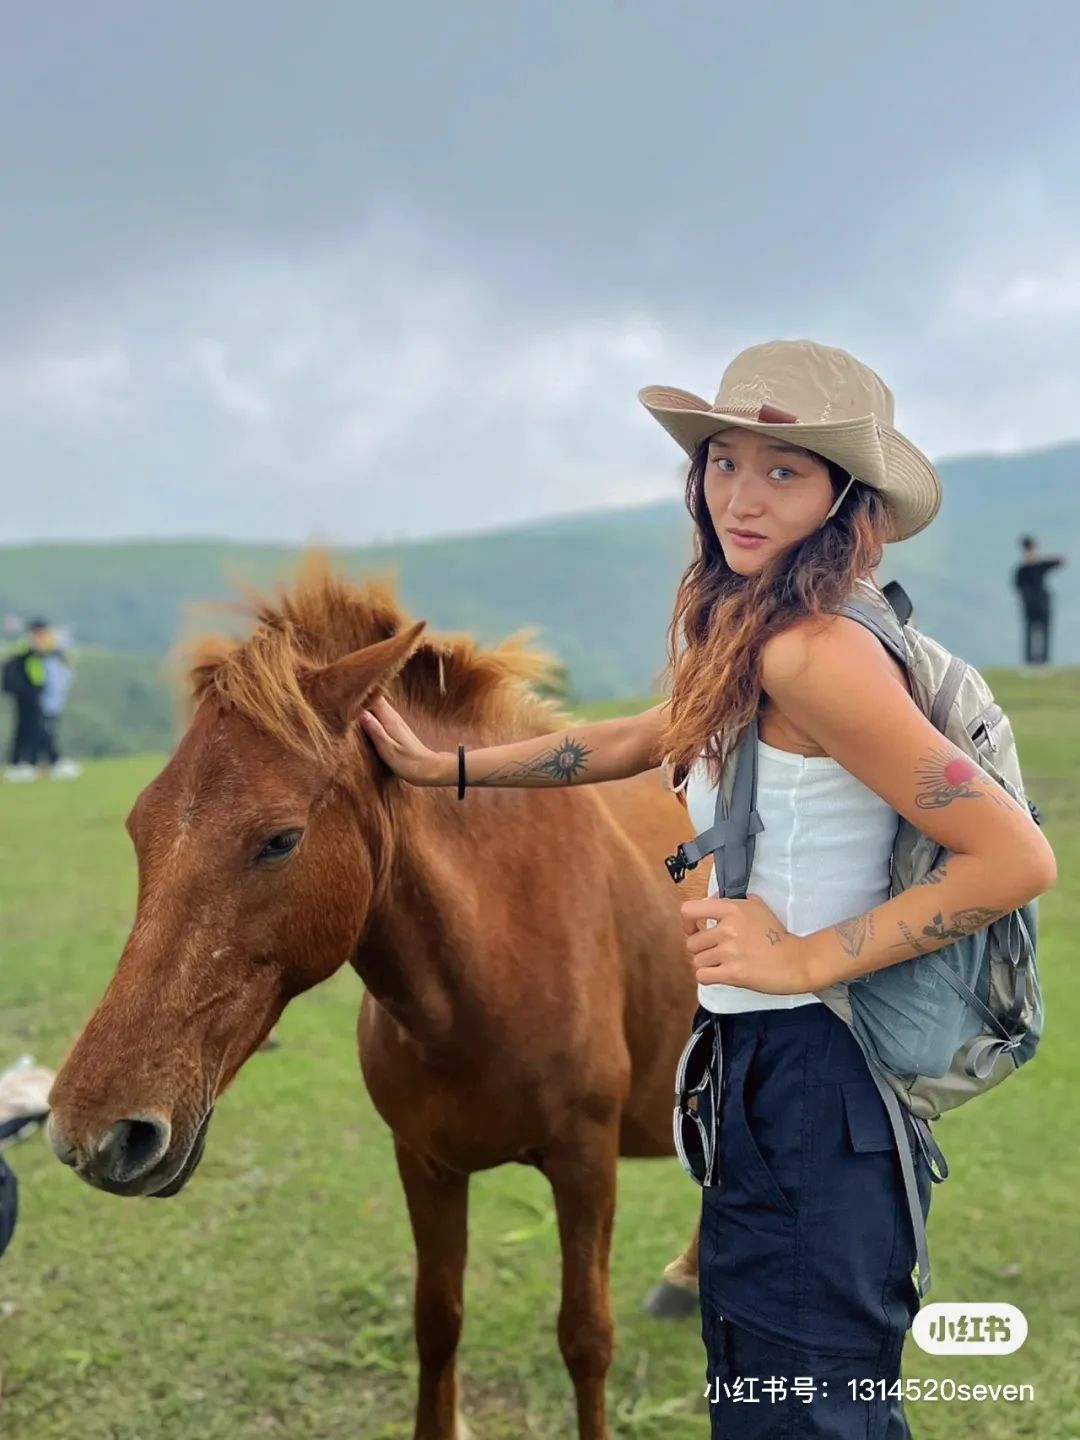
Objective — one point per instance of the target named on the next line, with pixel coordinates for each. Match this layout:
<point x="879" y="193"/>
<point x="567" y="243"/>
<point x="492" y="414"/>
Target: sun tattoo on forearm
<point x="564" y="762"/>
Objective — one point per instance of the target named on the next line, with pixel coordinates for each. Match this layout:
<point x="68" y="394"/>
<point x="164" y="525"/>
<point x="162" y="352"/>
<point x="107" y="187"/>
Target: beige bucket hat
<point x="822" y="399"/>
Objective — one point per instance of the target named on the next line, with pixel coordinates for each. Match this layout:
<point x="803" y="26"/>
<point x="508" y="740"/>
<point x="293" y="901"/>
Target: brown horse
<point x="527" y="987"/>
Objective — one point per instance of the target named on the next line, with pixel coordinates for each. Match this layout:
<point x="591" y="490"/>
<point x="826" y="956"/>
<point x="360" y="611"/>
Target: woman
<point x="797" y="479"/>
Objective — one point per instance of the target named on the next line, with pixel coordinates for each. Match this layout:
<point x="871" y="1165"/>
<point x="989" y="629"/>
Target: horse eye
<point x="278" y="846"/>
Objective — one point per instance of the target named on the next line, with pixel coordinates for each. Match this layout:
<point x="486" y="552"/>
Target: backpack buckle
<point x="678" y="864"/>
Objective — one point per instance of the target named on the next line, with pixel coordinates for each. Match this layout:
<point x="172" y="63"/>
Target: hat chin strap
<point x="839" y="500"/>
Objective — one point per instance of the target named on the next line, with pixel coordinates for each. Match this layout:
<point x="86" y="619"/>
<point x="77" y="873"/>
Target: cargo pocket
<point x="852" y="1249"/>
<point x="868" y="1124"/>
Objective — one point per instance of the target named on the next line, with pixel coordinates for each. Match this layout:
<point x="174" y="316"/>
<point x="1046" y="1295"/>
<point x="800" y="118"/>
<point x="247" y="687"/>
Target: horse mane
<point x="321" y="617"/>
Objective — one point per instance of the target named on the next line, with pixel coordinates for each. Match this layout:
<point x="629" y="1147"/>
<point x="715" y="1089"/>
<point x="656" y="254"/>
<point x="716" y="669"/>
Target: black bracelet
<point x="461" y="772"/>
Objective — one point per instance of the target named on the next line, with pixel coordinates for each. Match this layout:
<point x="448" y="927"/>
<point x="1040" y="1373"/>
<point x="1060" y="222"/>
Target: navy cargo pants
<point x="806" y="1241"/>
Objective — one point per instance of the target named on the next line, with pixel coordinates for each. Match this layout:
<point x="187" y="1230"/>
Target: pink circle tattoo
<point x="959" y="770"/>
<point x="944" y="777"/>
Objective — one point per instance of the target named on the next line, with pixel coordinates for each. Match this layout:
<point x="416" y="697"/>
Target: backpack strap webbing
<point x="880" y="621"/>
<point x="730" y="838"/>
<point x="943" y="700"/>
<point x="939" y="1170"/>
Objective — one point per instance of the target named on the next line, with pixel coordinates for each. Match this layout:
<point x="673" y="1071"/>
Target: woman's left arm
<point x="835" y="680"/>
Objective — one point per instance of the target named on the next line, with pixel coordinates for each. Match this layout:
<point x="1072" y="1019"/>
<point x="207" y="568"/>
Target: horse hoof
<point x="670" y="1302"/>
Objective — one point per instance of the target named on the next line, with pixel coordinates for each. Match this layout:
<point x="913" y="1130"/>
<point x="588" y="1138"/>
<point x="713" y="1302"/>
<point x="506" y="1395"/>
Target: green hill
<point x="599" y="586"/>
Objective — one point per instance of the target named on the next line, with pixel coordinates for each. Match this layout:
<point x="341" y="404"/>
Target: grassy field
<point x="272" y="1298"/>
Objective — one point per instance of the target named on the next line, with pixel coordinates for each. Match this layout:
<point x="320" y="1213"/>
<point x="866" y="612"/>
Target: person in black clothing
<point x="23" y="677"/>
<point x="1029" y="579"/>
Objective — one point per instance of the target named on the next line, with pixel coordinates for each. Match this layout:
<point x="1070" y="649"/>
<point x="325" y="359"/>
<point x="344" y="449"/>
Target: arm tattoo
<point x="943" y="778"/>
<point x="854" y="933"/>
<point x="963" y="922"/>
<point x="565" y="761"/>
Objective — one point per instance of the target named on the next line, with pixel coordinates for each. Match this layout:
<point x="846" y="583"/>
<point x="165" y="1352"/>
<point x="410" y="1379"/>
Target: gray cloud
<point x="272" y="271"/>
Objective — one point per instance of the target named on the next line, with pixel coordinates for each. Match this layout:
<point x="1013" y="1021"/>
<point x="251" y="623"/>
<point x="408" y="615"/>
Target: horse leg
<point x="677" y="1293"/>
<point x="438" y="1201"/>
<point x="683" y="1270"/>
<point x="583" y="1181"/>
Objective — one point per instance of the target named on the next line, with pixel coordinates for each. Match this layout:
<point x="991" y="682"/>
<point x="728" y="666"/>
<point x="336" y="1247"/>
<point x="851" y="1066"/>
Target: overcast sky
<point x="358" y="272"/>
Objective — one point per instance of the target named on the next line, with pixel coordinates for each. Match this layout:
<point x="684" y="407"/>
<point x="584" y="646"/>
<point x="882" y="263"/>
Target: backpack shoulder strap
<point x="879" y="619"/>
<point x="730" y="838"/>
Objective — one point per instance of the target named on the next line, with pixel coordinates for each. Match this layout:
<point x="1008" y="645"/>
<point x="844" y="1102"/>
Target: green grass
<point x="272" y="1298"/>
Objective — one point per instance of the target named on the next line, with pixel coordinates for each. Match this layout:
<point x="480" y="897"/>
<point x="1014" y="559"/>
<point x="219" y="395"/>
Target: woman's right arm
<point x="575" y="755"/>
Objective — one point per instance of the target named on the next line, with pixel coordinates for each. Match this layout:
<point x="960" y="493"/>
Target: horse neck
<point x="422" y="951"/>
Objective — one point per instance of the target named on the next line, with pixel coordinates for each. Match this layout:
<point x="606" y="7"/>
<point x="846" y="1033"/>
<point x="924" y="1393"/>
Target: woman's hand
<point x="403" y="751"/>
<point x="747" y="946"/>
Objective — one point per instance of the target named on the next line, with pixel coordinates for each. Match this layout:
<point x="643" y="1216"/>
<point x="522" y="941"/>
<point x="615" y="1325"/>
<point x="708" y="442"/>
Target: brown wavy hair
<point x="722" y="619"/>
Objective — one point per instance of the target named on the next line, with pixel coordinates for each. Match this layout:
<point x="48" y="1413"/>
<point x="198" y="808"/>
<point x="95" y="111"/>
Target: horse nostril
<point x="62" y="1148"/>
<point x="131" y="1147"/>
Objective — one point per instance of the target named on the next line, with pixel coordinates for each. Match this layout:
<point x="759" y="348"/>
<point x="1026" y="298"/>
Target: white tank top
<point x="822" y="857"/>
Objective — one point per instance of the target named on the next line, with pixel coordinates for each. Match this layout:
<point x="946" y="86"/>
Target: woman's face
<point x="763" y="496"/>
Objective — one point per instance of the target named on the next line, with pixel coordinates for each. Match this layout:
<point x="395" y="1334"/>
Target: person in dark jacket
<point x="1029" y="579"/>
<point x="24" y="681"/>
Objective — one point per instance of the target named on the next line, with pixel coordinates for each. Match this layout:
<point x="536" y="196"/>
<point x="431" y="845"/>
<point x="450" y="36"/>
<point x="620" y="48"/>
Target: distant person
<point x="1029" y="578"/>
<point x="58" y="677"/>
<point x="23" y="678"/>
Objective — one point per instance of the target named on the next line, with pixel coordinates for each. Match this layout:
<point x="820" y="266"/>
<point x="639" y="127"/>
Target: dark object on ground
<point x="9" y="1203"/>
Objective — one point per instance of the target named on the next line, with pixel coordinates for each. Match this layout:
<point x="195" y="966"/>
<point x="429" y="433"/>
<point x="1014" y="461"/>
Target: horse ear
<point x="340" y="690"/>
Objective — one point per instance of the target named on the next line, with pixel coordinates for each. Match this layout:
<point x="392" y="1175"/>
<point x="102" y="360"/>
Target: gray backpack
<point x="940" y="1028"/>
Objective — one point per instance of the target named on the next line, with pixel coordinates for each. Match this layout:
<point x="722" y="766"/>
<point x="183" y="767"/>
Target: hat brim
<point x="875" y="454"/>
